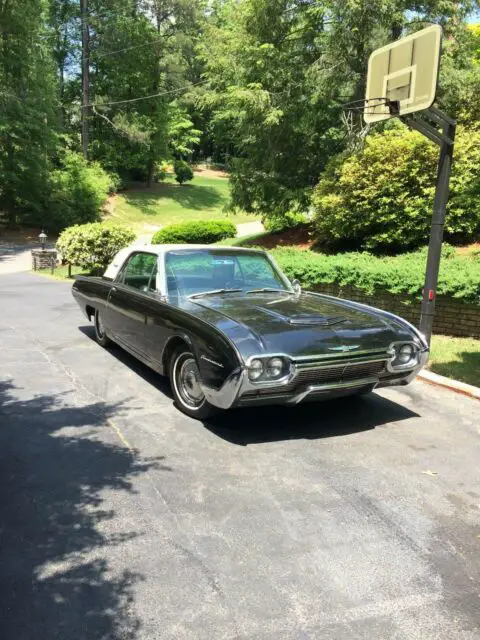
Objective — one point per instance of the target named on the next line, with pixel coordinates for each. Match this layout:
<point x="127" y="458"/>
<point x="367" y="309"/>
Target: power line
<point x="107" y="13"/>
<point x="153" y="95"/>
<point x="134" y="46"/>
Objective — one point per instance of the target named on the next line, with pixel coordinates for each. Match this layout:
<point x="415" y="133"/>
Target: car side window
<point x="140" y="271"/>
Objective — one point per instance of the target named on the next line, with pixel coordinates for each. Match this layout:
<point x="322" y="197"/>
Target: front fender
<point x="217" y="357"/>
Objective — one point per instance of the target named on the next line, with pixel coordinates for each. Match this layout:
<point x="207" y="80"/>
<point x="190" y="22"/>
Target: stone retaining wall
<point x="452" y="318"/>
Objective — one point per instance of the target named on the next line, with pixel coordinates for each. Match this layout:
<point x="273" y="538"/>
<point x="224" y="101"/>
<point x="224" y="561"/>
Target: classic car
<point x="230" y="329"/>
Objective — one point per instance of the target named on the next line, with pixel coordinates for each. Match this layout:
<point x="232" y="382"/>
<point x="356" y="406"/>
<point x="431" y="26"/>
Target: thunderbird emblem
<point x="344" y="348"/>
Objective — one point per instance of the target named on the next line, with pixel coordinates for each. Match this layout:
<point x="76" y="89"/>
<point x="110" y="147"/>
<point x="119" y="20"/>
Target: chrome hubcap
<point x="189" y="383"/>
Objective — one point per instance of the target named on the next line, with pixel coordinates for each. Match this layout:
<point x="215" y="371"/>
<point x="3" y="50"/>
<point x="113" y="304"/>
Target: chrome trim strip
<point x="334" y="364"/>
<point x="207" y="359"/>
<point x="314" y="388"/>
<point x="345" y="356"/>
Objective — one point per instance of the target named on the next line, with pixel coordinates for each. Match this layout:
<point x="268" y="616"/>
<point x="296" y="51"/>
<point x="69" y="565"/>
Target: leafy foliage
<point x="28" y="118"/>
<point x="78" y="191"/>
<point x="256" y="84"/>
<point x="403" y="274"/>
<point x="278" y="73"/>
<point x="183" y="171"/>
<point x="202" y="232"/>
<point x="459" y="91"/>
<point x="381" y="198"/>
<point x="289" y="220"/>
<point x="93" y="246"/>
<point x="260" y="58"/>
<point x="154" y="39"/>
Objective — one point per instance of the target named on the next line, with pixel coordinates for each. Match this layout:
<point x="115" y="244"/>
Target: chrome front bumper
<point x="237" y="390"/>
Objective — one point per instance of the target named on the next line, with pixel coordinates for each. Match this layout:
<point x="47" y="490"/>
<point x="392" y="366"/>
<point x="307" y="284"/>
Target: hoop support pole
<point x="445" y="139"/>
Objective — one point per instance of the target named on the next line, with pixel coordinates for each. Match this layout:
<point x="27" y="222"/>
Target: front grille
<point x="325" y="375"/>
<point x="339" y="373"/>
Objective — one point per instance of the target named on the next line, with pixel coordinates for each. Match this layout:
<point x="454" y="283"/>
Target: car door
<point x="130" y="300"/>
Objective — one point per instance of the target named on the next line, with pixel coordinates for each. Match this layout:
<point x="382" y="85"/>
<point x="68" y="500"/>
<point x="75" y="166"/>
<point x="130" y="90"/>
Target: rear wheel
<point x="100" y="335"/>
<point x="186" y="389"/>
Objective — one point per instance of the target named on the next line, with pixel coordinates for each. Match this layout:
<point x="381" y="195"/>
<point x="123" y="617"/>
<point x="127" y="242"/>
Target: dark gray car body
<point x="336" y="347"/>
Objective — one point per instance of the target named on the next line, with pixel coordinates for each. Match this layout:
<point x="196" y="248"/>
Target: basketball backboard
<point x="402" y="76"/>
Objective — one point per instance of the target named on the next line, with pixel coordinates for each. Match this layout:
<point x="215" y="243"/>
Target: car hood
<point x="298" y="325"/>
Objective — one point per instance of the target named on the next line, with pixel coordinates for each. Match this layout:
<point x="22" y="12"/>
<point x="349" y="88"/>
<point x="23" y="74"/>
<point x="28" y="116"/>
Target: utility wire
<point x="106" y="14"/>
<point x="101" y="54"/>
<point x="153" y="95"/>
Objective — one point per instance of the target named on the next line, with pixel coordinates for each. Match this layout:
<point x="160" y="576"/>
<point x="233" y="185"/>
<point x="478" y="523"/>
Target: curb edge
<point x="448" y="383"/>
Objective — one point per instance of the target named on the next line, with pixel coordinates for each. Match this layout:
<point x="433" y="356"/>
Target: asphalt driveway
<point x="121" y="518"/>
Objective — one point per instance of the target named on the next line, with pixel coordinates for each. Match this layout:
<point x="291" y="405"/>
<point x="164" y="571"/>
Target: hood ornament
<point x="343" y="348"/>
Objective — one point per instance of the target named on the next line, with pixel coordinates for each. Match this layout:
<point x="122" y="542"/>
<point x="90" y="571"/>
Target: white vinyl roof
<point x="160" y="250"/>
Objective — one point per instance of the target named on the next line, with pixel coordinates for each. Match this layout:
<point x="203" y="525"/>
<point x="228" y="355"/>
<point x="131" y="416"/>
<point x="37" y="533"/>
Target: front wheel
<point x="100" y="335"/>
<point x="186" y="389"/>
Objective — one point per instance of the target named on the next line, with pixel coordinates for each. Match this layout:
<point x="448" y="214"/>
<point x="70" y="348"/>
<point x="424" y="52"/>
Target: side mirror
<point x="297" y="287"/>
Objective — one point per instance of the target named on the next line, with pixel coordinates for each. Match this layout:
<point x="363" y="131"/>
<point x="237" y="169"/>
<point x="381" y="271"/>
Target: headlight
<point x="274" y="368"/>
<point x="255" y="370"/>
<point x="406" y="355"/>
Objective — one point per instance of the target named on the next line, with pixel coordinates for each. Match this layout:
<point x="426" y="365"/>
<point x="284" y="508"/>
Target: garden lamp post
<point x="43" y="239"/>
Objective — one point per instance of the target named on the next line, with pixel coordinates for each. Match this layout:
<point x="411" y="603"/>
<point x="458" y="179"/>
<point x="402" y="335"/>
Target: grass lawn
<point x="60" y="272"/>
<point x="204" y="198"/>
<point x="457" y="358"/>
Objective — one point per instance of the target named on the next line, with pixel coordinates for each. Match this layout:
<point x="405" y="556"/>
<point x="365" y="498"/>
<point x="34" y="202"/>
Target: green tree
<point x="459" y="91"/>
<point x="260" y="58"/>
<point x="28" y="114"/>
<point x="152" y="39"/>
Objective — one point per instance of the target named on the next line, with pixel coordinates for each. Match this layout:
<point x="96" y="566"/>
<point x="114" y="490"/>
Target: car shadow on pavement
<point x="57" y="460"/>
<point x="155" y="379"/>
<point x="340" y="417"/>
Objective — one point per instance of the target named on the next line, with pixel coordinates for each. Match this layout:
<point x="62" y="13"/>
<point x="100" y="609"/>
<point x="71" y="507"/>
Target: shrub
<point x="78" y="191"/>
<point x="381" y="198"/>
<point x="195" y="232"/>
<point x="93" y="246"/>
<point x="403" y="274"/>
<point x="289" y="220"/>
<point x="183" y="171"/>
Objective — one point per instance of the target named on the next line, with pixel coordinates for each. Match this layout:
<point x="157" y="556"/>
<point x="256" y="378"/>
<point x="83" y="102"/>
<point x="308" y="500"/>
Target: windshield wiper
<point x="214" y="292"/>
<point x="268" y="290"/>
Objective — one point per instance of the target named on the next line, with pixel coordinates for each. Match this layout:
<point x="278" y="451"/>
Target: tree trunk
<point x="150" y="172"/>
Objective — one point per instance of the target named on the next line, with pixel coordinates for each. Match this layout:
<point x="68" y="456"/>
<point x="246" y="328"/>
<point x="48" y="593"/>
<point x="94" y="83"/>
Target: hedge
<point x="380" y="199"/>
<point x="404" y="274"/>
<point x="93" y="246"/>
<point x="195" y="232"/>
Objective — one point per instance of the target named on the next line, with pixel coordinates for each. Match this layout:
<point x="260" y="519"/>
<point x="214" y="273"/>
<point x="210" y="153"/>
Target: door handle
<point x="113" y="289"/>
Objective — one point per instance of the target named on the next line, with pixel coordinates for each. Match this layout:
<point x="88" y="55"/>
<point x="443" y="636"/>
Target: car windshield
<point x="204" y="271"/>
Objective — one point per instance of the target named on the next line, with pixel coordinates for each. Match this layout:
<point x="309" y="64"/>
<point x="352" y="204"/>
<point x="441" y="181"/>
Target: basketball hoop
<point x="405" y="73"/>
<point x="372" y="106"/>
